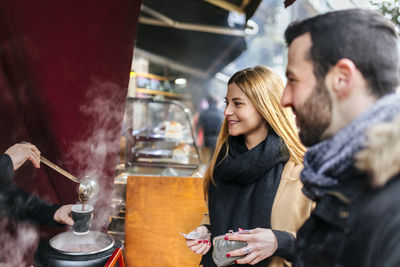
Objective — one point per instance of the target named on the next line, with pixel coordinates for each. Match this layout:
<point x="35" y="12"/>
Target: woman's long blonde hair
<point x="264" y="88"/>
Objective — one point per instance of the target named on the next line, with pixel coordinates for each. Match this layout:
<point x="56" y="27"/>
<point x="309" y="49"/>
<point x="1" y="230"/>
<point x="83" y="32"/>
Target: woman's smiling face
<point x="241" y="115"/>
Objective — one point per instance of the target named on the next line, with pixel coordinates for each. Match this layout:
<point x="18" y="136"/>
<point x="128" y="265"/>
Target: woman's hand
<point x="261" y="244"/>
<point x="199" y="246"/>
<point x="63" y="215"/>
<point x="19" y="153"/>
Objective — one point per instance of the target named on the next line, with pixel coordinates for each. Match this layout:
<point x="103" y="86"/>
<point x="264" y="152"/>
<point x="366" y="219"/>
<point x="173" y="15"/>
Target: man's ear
<point x="342" y="77"/>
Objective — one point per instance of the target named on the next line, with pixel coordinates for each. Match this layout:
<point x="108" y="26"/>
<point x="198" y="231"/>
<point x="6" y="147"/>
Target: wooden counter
<point x="157" y="210"/>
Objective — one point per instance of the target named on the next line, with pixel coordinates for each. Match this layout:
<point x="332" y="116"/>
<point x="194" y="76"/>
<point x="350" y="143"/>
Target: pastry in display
<point x="173" y="129"/>
<point x="181" y="153"/>
<point x="170" y="129"/>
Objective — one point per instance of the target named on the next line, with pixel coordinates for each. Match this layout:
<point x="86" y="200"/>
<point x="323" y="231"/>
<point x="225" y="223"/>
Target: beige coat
<point x="290" y="208"/>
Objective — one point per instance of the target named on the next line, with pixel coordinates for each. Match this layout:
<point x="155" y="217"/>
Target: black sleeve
<point x="17" y="204"/>
<point x="286" y="244"/>
<point x="6" y="169"/>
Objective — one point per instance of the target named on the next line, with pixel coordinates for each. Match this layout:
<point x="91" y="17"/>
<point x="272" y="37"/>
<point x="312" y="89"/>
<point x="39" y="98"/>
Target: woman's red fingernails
<point x="228" y="255"/>
<point x="241" y="229"/>
<point x="205" y="241"/>
<point x="226" y="238"/>
<point x="200" y="241"/>
<point x="209" y="243"/>
<point x="235" y="262"/>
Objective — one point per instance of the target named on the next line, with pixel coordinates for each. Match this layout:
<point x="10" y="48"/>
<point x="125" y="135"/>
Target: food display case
<point x="159" y="138"/>
<point x="158" y="142"/>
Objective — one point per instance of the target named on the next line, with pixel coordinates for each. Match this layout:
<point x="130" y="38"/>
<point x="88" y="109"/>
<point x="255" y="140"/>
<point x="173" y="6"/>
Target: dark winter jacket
<point x="18" y="204"/>
<point x="358" y="223"/>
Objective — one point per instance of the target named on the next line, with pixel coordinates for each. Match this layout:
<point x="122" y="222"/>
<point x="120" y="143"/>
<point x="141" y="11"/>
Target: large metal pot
<point x="50" y="253"/>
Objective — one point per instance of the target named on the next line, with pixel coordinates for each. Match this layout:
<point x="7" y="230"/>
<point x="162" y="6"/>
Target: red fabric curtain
<point x="64" y="72"/>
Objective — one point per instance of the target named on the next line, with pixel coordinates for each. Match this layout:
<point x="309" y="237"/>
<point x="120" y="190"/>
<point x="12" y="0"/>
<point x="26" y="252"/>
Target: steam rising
<point x="16" y="245"/>
<point x="96" y="154"/>
<point x="17" y="239"/>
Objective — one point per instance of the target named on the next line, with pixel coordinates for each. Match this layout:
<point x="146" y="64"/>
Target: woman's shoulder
<point x="292" y="170"/>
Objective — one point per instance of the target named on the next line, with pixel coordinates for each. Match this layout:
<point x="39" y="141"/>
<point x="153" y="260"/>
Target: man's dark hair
<point x="365" y="37"/>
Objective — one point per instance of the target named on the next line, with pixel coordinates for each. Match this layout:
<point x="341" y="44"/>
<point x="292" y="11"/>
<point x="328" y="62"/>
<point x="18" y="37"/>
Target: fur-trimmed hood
<point x="381" y="157"/>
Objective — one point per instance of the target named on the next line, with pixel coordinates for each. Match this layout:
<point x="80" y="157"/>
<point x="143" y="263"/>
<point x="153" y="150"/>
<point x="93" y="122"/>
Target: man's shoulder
<point x="375" y="232"/>
<point x="386" y="196"/>
<point x="380" y="206"/>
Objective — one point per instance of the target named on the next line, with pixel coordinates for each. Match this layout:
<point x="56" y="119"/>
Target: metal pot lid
<point x="72" y="244"/>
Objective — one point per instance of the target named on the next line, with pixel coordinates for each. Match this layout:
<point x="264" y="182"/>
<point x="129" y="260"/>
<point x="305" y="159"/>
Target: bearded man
<point x="342" y="74"/>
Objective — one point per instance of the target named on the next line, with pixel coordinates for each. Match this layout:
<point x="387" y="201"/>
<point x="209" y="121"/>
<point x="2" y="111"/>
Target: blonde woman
<point x="253" y="179"/>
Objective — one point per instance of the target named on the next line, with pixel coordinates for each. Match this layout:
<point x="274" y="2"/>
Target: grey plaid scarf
<point x="325" y="161"/>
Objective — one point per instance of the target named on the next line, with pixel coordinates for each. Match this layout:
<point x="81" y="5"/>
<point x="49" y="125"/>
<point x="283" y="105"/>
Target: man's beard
<point x="315" y="115"/>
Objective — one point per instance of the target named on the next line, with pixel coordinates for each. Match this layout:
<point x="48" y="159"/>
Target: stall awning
<point x="195" y="36"/>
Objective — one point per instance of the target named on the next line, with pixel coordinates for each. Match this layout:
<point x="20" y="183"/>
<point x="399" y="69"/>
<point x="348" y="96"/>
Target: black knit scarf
<point x="246" y="184"/>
